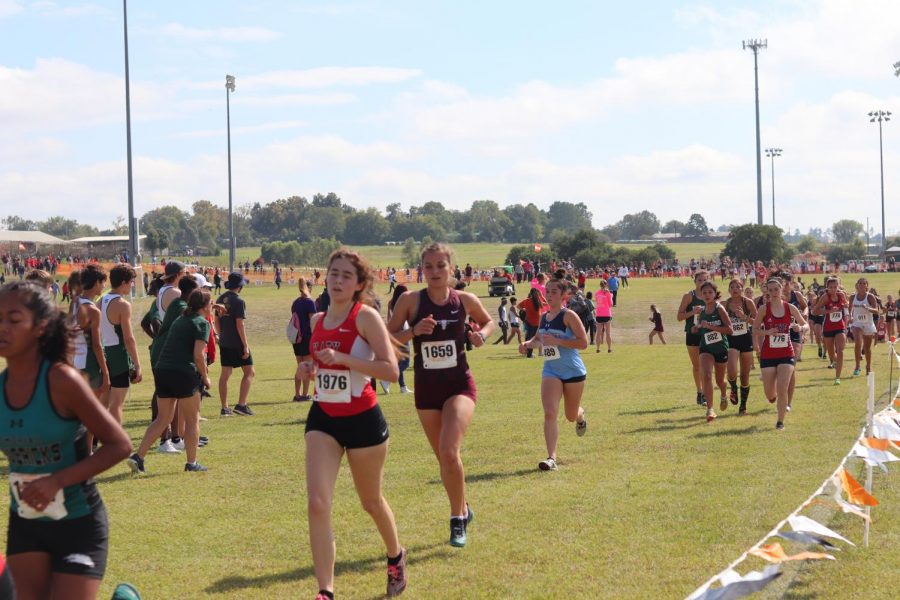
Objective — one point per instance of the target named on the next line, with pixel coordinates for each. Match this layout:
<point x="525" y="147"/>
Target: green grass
<point x="649" y="504"/>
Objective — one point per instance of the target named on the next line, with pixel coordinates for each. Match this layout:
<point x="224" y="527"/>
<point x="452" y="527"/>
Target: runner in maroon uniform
<point x="833" y="305"/>
<point x="349" y="345"/>
<point x="774" y="323"/>
<point x="444" y="388"/>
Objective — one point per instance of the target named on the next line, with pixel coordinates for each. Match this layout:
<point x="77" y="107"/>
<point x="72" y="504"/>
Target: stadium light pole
<point x="132" y="233"/>
<point x="772" y="153"/>
<point x="229" y="88"/>
<point x="880" y="115"/>
<point x="755" y="45"/>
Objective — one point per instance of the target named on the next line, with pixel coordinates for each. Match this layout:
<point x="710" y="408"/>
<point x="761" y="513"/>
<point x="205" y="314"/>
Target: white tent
<point x="29" y="237"/>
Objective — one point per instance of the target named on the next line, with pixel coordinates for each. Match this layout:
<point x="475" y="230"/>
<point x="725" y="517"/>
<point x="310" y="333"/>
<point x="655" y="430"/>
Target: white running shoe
<point x="405" y="390"/>
<point x="179" y="446"/>
<point x="548" y="464"/>
<point x="386" y="386"/>
<point x="167" y="447"/>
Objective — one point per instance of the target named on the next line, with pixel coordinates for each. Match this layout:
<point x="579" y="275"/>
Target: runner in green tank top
<point x="713" y="326"/>
<point x="46" y="408"/>
<point x="691" y="304"/>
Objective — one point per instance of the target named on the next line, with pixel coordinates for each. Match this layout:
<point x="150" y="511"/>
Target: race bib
<point x="550" y="352"/>
<point x="779" y="340"/>
<point x="439" y="355"/>
<point x="56" y="510"/>
<point x="891" y="314"/>
<point x="835" y="316"/>
<point x="862" y="317"/>
<point x="739" y="327"/>
<point x="81" y="350"/>
<point x="712" y="337"/>
<point x="333" y="386"/>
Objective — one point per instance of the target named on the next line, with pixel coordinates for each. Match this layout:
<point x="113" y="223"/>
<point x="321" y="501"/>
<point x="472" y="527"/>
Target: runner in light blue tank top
<point x="568" y="365"/>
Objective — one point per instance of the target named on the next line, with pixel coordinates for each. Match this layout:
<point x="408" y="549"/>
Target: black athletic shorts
<point x="692" y="339"/>
<point x="817" y="319"/>
<point x="576" y="379"/>
<point x="604" y="319"/>
<point x="175" y="383"/>
<point x="834" y="333"/>
<point x="76" y="546"/>
<point x="231" y="357"/>
<point x="720" y="358"/>
<point x="120" y="380"/>
<point x="741" y="343"/>
<point x="358" y="431"/>
<point x="796" y="337"/>
<point x="302" y="349"/>
<point x="765" y="363"/>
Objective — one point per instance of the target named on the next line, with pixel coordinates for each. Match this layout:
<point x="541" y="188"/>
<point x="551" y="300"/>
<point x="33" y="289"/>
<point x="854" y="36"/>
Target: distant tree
<point x="330" y="200"/>
<point x="853" y="250"/>
<point x="491" y="222"/>
<point x="568" y="246"/>
<point x="846" y="230"/>
<point x="527" y="252"/>
<point x="639" y="225"/>
<point x="410" y="254"/>
<point x="16" y="223"/>
<point x="756" y="242"/>
<point x="568" y="217"/>
<point x="696" y="226"/>
<point x="673" y="226"/>
<point x="807" y="243"/>
<point x="526" y="223"/>
<point x="368" y="227"/>
<point x="724" y="228"/>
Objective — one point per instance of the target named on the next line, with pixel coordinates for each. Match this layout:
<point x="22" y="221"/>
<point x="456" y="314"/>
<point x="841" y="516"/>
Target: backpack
<point x="578" y="305"/>
<point x="292" y="331"/>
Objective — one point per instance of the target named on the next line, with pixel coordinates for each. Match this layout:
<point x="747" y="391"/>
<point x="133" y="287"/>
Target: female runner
<point x="46" y="409"/>
<point x="303" y="308"/>
<point x="774" y="322"/>
<point x="604" y="301"/>
<point x="691" y="305"/>
<point x="713" y="326"/>
<point x="445" y="390"/>
<point x="815" y="322"/>
<point x="89" y="356"/>
<point x="833" y="306"/>
<point x="561" y="335"/>
<point x="742" y="312"/>
<point x="863" y="309"/>
<point x="890" y="316"/>
<point x="349" y="345"/>
<point x="795" y="296"/>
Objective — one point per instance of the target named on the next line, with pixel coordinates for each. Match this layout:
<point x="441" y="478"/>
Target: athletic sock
<point x="396" y="560"/>
<point x="733" y="384"/>
<point x="327" y="594"/>
<point x="745" y="393"/>
<point x="175" y="439"/>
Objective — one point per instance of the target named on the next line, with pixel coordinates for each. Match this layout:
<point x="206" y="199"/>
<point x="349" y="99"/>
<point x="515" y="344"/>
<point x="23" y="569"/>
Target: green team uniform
<point x="173" y="311"/>
<point x="178" y="352"/>
<point x="691" y="339"/>
<point x="713" y="342"/>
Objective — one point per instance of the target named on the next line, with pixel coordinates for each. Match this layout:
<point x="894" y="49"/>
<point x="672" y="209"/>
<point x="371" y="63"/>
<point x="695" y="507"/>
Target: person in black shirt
<point x="233" y="347"/>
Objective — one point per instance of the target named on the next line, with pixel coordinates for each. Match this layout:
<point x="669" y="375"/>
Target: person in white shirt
<point x="623" y="275"/>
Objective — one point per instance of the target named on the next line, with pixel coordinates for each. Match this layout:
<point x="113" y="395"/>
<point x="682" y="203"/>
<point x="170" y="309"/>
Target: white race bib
<point x="81" y="350"/>
<point x="550" y="352"/>
<point x="739" y="327"/>
<point x="712" y="337"/>
<point x="779" y="340"/>
<point x="56" y="510"/>
<point x="835" y="316"/>
<point x="891" y="314"/>
<point x="333" y="386"/>
<point x="862" y="317"/>
<point x="439" y="355"/>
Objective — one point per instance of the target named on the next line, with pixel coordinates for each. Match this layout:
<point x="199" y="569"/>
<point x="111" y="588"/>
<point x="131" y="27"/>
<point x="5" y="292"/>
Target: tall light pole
<point x="229" y="87"/>
<point x="755" y="45"/>
<point x="132" y="233"/>
<point x="880" y="115"/>
<point x="772" y="153"/>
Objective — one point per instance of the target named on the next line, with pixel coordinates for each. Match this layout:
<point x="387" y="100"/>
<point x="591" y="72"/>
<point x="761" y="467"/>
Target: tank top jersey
<point x="117" y="358"/>
<point x="777" y="345"/>
<point x="83" y="350"/>
<point x="341" y="392"/>
<point x="440" y="360"/>
<point x="890" y="310"/>
<point x="173" y="311"/>
<point x="38" y="442"/>
<point x="738" y="325"/>
<point x="560" y="362"/>
<point x="859" y="310"/>
<point x="834" y="313"/>
<point x="695" y="301"/>
<point x="712" y="342"/>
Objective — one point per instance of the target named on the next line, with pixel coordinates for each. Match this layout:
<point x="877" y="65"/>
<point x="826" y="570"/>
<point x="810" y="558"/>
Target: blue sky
<point x="623" y="106"/>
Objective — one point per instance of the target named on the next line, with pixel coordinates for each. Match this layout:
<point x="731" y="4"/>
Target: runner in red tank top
<point x="444" y="389"/>
<point x="773" y="324"/>
<point x="350" y="345"/>
<point x="833" y="305"/>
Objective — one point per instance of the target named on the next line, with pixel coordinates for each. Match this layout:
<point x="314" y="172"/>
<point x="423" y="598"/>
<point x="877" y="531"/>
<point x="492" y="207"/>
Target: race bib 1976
<point x="333" y="385"/>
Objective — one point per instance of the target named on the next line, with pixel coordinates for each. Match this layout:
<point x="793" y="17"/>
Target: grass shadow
<point x="700" y="420"/>
<point x="238" y="582"/>
<point x="490" y="476"/>
<point x="301" y="421"/>
<point x="727" y="432"/>
<point x="128" y="475"/>
<point x="654" y="411"/>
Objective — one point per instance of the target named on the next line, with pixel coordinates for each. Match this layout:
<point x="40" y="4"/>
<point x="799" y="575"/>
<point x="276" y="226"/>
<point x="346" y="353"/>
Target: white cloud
<point x="296" y="100"/>
<point x="274" y="126"/>
<point x="227" y="34"/>
<point x="9" y="8"/>
<point x="320" y="77"/>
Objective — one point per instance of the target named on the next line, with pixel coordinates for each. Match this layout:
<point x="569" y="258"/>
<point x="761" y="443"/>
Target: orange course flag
<point x="876" y="444"/>
<point x="774" y="553"/>
<point x="855" y="492"/>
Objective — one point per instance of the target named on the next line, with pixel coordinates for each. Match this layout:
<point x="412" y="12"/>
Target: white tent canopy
<point x="29" y="237"/>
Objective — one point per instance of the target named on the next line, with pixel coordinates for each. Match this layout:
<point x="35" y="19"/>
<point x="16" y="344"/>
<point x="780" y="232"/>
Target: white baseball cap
<point x="201" y="281"/>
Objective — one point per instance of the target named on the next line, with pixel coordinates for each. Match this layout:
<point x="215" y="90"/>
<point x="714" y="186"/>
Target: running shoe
<point x="243" y="410"/>
<point x="405" y="390"/>
<point x="136" y="463"/>
<point x="733" y="397"/>
<point x="820" y="352"/>
<point x="779" y="425"/>
<point x="396" y="576"/>
<point x="386" y="386"/>
<point x="856" y="372"/>
<point x="837" y="382"/>
<point x="831" y="365"/>
<point x="548" y="464"/>
<point x="470" y="515"/>
<point x="226" y="412"/>
<point x="321" y="596"/>
<point x="788" y="408"/>
<point x="700" y="400"/>
<point x="723" y="404"/>
<point x="581" y="428"/>
<point x="167" y="447"/>
<point x="179" y="445"/>
<point x="457" y="532"/>
<point x="195" y="467"/>
<point x="299" y="398"/>
<point x="742" y="411"/>
<point x="710" y="415"/>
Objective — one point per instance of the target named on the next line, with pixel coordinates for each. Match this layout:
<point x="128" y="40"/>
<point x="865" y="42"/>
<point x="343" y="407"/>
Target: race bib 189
<point x="779" y="340"/>
<point x="56" y="510"/>
<point x="739" y="327"/>
<point x="439" y="355"/>
<point x="550" y="352"/>
<point x="835" y="316"/>
<point x="712" y="337"/>
<point x="333" y="386"/>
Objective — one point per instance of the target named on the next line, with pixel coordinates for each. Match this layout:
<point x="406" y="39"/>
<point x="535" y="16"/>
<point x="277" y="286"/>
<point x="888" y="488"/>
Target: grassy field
<point x="649" y="504"/>
<point x="478" y="254"/>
